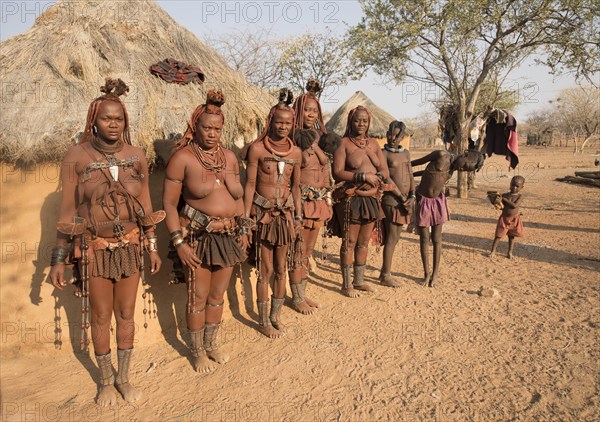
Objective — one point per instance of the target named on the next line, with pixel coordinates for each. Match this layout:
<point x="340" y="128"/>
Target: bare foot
<point x="510" y="255"/>
<point x="303" y="307"/>
<point x="364" y="287"/>
<point x="107" y="396"/>
<point x="278" y="325"/>
<point x="270" y="331"/>
<point x="426" y="279"/>
<point x="311" y="303"/>
<point x="491" y="255"/>
<point x="129" y="392"/>
<point x="350" y="292"/>
<point x="218" y="356"/>
<point x="432" y="281"/>
<point x="388" y="281"/>
<point x="202" y="364"/>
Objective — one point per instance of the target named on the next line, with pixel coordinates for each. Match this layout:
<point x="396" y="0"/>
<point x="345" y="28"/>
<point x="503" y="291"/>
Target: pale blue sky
<point x="286" y="18"/>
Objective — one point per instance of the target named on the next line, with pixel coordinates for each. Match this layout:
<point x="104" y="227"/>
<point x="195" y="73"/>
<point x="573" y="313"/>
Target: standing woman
<point x="272" y="199"/>
<point x="107" y="215"/>
<point x="315" y="188"/>
<point x="208" y="234"/>
<point x="359" y="163"/>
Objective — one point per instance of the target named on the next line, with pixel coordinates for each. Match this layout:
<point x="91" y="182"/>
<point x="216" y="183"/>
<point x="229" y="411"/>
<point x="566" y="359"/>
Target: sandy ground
<point x="405" y="354"/>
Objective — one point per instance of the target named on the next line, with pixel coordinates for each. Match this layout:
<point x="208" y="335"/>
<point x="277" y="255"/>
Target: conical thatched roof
<point x="51" y="73"/>
<point x="379" y="122"/>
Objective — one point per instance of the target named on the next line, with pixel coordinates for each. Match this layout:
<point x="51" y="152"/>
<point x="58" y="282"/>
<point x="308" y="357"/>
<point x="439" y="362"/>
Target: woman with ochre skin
<point x="359" y="162"/>
<point x="272" y="199"/>
<point x="315" y="188"/>
<point x="208" y="232"/>
<point x="107" y="215"/>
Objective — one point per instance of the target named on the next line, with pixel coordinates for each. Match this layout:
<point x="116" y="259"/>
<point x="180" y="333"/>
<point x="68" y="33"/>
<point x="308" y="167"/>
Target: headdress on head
<point x="312" y="90"/>
<point x="285" y="99"/>
<point x="351" y="115"/>
<point x="214" y="100"/>
<point x="112" y="89"/>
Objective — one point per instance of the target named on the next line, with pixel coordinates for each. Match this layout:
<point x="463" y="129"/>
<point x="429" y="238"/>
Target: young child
<point x="510" y="219"/>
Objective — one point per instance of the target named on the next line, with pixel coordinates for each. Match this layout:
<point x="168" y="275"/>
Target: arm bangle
<point x="178" y="242"/>
<point x="175" y="234"/>
<point x="59" y="255"/>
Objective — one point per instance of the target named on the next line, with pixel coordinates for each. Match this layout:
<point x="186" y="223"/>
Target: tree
<point x="578" y="53"/>
<point x="322" y="56"/>
<point x="255" y="54"/>
<point x="493" y="93"/>
<point x="455" y="45"/>
<point x="578" y="113"/>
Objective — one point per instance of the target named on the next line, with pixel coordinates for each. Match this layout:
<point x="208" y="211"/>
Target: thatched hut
<point x="52" y="72"/>
<point x="379" y="122"/>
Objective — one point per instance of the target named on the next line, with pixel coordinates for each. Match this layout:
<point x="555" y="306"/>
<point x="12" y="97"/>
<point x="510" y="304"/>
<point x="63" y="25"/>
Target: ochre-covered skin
<point x="273" y="172"/>
<point x="110" y="209"/>
<point x="357" y="154"/>
<point x="314" y="177"/>
<point x="206" y="176"/>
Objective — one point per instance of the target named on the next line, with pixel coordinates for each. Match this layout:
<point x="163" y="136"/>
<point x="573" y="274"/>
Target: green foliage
<point x="456" y="45"/>
<point x="578" y="52"/>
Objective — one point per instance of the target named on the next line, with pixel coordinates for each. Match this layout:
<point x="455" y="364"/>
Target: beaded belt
<point x="201" y="221"/>
<point x="309" y="193"/>
<point x="264" y="203"/>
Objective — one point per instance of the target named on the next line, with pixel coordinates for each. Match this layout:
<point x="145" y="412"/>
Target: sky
<point x="285" y="18"/>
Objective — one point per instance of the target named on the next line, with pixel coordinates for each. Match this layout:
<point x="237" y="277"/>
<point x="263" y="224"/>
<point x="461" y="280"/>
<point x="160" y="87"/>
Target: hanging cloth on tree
<point x="501" y="136"/>
<point x="174" y="71"/>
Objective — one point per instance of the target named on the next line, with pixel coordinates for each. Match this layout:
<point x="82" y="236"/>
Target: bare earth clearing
<point x="406" y="354"/>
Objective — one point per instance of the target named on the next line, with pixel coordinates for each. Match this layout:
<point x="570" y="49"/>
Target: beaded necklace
<point x="211" y="160"/>
<point x="360" y="142"/>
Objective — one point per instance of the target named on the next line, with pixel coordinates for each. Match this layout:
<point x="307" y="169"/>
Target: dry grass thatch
<point x="379" y="122"/>
<point x="51" y="73"/>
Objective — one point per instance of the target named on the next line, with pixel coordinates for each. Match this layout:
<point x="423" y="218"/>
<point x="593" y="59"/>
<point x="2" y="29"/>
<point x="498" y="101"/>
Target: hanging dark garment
<point x="502" y="139"/>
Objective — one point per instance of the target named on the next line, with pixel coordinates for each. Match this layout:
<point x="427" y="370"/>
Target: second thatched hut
<point x="379" y="122"/>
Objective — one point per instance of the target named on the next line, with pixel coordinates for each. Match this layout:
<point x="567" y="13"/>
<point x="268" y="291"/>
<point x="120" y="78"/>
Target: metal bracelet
<point x="152" y="244"/>
<point x="59" y="255"/>
<point x="176" y="234"/>
<point x="177" y="242"/>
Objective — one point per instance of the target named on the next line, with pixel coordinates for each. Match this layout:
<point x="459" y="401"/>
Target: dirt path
<point x="406" y="354"/>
